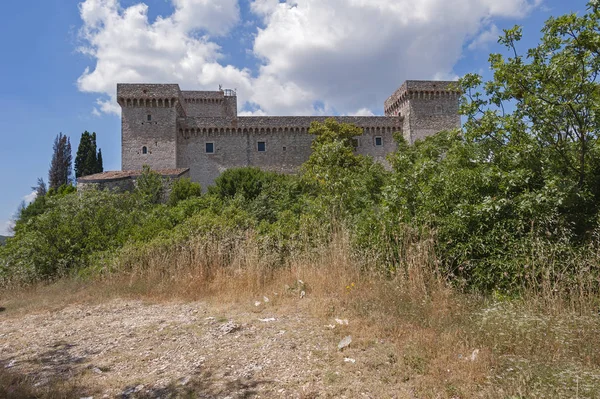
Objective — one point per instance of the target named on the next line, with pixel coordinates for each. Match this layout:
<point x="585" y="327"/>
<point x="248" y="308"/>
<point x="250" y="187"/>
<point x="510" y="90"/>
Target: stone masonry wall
<point x="183" y="122"/>
<point x="148" y="125"/>
<point x="286" y="139"/>
<point x="428" y="107"/>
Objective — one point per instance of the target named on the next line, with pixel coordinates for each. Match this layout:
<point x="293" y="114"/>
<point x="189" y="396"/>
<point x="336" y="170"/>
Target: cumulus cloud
<point x="6" y="227"/>
<point x="128" y="48"/>
<point x="29" y="198"/>
<point x="486" y="37"/>
<point x="345" y="55"/>
<point x="362" y="112"/>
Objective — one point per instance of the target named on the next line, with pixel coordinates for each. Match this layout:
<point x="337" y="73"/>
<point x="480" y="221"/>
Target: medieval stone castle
<point x="199" y="133"/>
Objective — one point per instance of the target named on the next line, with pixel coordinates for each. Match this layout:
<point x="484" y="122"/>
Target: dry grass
<point x="448" y="344"/>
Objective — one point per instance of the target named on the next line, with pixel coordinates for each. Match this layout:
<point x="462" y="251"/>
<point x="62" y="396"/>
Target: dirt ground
<point x="134" y="349"/>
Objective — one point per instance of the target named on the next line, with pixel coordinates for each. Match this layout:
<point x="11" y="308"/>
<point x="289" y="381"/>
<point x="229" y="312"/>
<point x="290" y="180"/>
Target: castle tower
<point x="427" y="106"/>
<point x="149" y="115"/>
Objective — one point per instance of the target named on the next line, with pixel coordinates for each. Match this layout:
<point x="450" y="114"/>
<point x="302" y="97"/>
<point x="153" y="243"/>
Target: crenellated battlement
<point x="420" y="90"/>
<point x="194" y="127"/>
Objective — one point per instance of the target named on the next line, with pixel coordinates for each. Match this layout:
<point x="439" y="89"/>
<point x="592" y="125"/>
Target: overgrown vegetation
<point x="506" y="208"/>
<point x="511" y="200"/>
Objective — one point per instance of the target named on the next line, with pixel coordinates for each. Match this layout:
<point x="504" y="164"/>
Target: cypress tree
<point x="60" y="166"/>
<point x="99" y="165"/>
<point x="82" y="154"/>
<point x="87" y="161"/>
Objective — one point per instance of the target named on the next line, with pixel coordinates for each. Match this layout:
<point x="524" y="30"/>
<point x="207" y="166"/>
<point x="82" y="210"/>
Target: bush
<point x="149" y="186"/>
<point x="182" y="189"/>
<point x="245" y="182"/>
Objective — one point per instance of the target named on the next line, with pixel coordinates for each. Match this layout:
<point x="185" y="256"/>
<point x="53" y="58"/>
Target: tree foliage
<point x="182" y="189"/>
<point x="88" y="160"/>
<point x="520" y="181"/>
<point x="60" y="167"/>
<point x="150" y="185"/>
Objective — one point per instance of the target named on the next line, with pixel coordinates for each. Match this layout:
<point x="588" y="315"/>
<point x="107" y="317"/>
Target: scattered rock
<point x="10" y="364"/>
<point x="474" y="355"/>
<point x="257" y="303"/>
<point x="349" y="360"/>
<point x="302" y="294"/>
<point x="268" y="319"/>
<point x="229" y="327"/>
<point x="330" y="326"/>
<point x="96" y="370"/>
<point x="344" y="343"/>
<point x="185" y="380"/>
<point x="265" y="299"/>
<point x="342" y="322"/>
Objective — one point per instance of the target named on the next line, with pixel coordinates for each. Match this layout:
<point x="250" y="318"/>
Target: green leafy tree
<point x="345" y="181"/>
<point x="182" y="189"/>
<point x="149" y="185"/>
<point x="88" y="161"/>
<point x="546" y="99"/>
<point x="61" y="164"/>
<point x="245" y="182"/>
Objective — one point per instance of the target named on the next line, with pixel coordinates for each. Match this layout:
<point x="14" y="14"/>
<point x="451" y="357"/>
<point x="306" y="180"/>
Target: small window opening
<point x="378" y="141"/>
<point x="262" y="146"/>
<point x="210" y="148"/>
<point x="144" y="150"/>
<point x="284" y="149"/>
<point x="149" y="118"/>
<point x="355" y="143"/>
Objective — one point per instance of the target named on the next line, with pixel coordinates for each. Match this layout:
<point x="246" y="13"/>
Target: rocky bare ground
<point x="133" y="349"/>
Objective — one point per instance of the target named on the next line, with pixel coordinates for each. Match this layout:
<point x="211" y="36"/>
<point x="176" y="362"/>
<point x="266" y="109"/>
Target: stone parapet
<point x="420" y="89"/>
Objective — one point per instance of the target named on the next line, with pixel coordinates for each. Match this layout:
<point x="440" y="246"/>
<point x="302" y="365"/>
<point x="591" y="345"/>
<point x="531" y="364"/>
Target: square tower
<point x="427" y="106"/>
<point x="149" y="115"/>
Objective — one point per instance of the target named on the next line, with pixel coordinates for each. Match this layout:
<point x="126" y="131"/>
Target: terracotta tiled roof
<point x="126" y="174"/>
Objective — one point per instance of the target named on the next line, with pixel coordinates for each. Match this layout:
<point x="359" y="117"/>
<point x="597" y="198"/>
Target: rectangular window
<point x="210" y="148"/>
<point x="378" y="141"/>
<point x="149" y="118"/>
<point x="262" y="146"/>
<point x="355" y="143"/>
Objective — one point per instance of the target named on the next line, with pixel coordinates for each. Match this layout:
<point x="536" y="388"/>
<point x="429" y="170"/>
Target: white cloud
<point x="346" y="55"/>
<point x="6" y="227"/>
<point x="362" y="112"/>
<point x="486" y="37"/>
<point x="29" y="198"/>
<point x="216" y="17"/>
<point x="128" y="48"/>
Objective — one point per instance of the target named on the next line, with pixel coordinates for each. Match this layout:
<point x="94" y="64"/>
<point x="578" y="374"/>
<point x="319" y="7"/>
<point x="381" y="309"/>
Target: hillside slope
<point x="134" y="349"/>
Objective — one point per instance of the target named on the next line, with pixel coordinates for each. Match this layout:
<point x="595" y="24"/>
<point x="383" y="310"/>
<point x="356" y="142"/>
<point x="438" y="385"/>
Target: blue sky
<point x="62" y="59"/>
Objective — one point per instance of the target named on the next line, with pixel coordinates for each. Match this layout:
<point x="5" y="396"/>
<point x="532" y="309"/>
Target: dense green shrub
<point x="182" y="189"/>
<point x="150" y="186"/>
<point x="245" y="182"/>
<point x="510" y="201"/>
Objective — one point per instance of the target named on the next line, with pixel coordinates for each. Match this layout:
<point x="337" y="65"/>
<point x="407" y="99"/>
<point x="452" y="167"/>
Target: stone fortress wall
<point x="167" y="128"/>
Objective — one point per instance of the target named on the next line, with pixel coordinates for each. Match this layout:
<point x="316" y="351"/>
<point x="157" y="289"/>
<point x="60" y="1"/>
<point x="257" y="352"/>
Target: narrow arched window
<point x="144" y="150"/>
